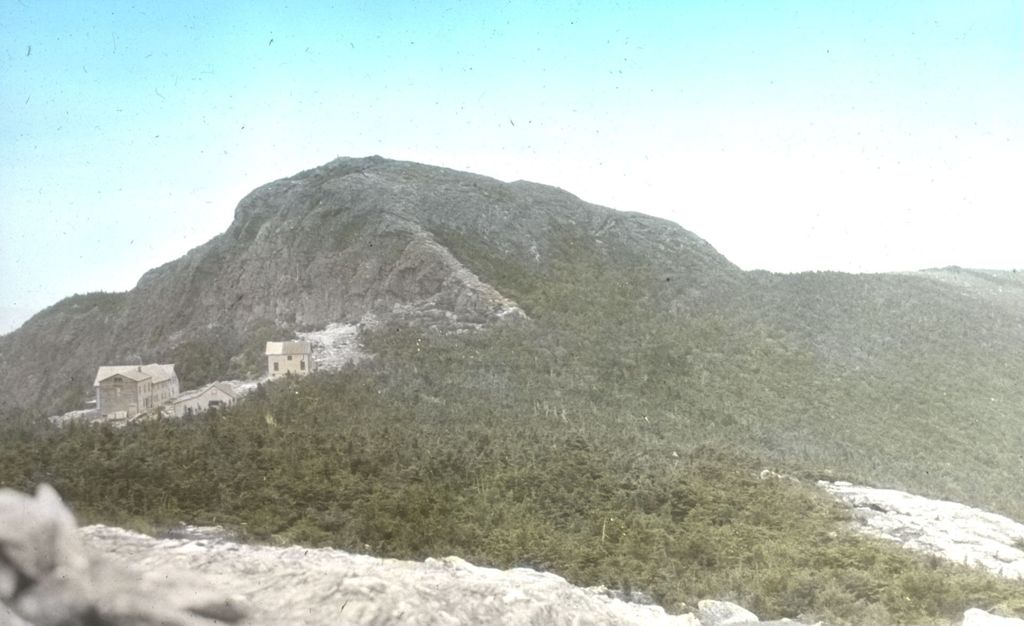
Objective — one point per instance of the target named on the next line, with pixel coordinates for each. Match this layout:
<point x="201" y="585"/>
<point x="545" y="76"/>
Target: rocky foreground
<point x="52" y="573"/>
<point x="303" y="586"/>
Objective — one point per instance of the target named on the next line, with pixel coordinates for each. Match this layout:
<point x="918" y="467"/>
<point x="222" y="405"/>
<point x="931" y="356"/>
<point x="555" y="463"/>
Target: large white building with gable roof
<point x="128" y="390"/>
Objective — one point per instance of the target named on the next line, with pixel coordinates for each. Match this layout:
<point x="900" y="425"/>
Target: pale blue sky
<point x="858" y="136"/>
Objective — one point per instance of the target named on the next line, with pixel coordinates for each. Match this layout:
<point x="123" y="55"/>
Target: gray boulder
<point x="47" y="576"/>
<point x="719" y="613"/>
<point x="38" y="535"/>
<point x="8" y="617"/>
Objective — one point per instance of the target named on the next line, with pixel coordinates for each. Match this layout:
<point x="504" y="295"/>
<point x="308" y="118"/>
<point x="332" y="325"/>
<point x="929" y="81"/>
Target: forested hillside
<point x="553" y="384"/>
<point x="635" y="504"/>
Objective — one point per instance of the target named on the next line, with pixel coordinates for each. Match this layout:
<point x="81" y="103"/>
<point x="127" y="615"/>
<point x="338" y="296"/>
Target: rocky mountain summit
<point x="334" y="244"/>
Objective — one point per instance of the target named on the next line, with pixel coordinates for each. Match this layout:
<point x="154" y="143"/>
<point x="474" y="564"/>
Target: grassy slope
<point x="591" y="440"/>
<point x="887" y="379"/>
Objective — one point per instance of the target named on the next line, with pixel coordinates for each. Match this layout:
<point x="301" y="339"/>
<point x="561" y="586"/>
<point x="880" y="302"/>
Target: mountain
<point x="617" y="313"/>
<point x="351" y="238"/>
<point x="554" y="385"/>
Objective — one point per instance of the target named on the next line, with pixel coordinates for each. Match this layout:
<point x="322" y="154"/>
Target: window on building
<point x="302" y="364"/>
<point x="277" y="366"/>
<point x="289" y="357"/>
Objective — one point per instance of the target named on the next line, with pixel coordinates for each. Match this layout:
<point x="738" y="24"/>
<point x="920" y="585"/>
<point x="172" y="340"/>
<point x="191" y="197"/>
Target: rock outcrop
<point x="52" y="575"/>
<point x="945" y="529"/>
<point x="306" y="586"/>
<point x="977" y="617"/>
<point x="49" y="578"/>
<point x="718" y="613"/>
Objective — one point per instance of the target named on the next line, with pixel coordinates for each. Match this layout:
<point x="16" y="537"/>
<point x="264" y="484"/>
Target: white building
<point x="128" y="390"/>
<point x="196" y="401"/>
<point x="289" y="357"/>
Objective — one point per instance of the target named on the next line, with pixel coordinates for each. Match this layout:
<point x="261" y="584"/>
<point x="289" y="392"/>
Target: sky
<point x="859" y="136"/>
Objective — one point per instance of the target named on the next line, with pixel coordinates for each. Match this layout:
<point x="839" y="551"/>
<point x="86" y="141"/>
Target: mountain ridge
<point x="333" y="243"/>
<point x="623" y="313"/>
<point x="617" y="431"/>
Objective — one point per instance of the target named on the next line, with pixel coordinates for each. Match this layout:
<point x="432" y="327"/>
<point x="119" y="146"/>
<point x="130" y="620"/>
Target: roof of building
<point x="287" y="347"/>
<point x="157" y="372"/>
<point x="224" y="388"/>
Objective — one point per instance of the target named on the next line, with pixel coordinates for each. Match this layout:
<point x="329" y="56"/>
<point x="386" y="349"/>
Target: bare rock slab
<point x="949" y="530"/>
<point x="53" y="574"/>
<point x="307" y="586"/>
<point x="977" y="617"/>
<point x="719" y="613"/>
<point x="48" y="577"/>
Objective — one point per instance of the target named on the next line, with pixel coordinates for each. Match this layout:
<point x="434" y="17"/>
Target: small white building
<point x="196" y="401"/>
<point x="289" y="357"/>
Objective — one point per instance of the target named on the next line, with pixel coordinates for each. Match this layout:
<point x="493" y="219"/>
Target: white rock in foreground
<point x="49" y="578"/>
<point x="54" y="574"/>
<point x="977" y="617"/>
<point x="719" y="613"/>
<point x="307" y="586"/>
<point x="946" y="529"/>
